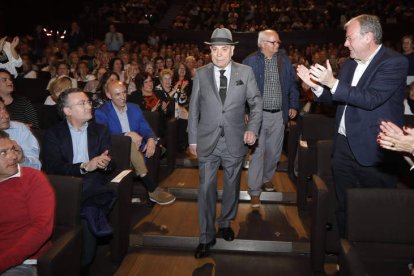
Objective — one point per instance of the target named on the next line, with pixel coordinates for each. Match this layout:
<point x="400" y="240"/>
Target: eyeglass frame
<point x="5" y="152"/>
<point x="82" y="103"/>
<point x="274" y="42"/>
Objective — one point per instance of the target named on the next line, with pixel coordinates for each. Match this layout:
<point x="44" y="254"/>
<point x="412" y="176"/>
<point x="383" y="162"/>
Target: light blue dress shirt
<point x="20" y="133"/>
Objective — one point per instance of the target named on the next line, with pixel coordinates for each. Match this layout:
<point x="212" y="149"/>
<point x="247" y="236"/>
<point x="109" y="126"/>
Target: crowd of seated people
<point x="287" y="15"/>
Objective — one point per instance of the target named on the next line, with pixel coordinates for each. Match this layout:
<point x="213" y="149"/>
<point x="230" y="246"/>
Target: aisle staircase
<point x="271" y="240"/>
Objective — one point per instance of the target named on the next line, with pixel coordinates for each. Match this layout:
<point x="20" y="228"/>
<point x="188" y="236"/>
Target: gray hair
<point x="368" y="23"/>
<point x="263" y="35"/>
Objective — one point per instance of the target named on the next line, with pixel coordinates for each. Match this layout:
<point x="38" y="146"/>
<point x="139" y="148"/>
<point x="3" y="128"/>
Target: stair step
<point x="193" y="163"/>
<point x="241" y="245"/>
<point x="265" y="197"/>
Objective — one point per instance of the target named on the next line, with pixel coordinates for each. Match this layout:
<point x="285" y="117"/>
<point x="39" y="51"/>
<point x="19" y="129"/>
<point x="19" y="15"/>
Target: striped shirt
<point x="22" y="110"/>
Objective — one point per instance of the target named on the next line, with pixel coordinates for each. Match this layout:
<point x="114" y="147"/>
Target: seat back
<point x="316" y="127"/>
<point x="68" y="199"/>
<point x="380" y="216"/>
<point x="121" y="152"/>
<point x="33" y="89"/>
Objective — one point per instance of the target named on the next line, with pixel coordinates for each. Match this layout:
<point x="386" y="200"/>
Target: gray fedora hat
<point x="221" y="36"/>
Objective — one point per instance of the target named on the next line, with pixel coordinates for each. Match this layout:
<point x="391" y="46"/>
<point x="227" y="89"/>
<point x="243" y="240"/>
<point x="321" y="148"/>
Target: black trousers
<point x="348" y="174"/>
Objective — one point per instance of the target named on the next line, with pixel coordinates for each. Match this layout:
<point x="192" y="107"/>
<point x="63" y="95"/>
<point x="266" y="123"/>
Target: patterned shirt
<point x="272" y="92"/>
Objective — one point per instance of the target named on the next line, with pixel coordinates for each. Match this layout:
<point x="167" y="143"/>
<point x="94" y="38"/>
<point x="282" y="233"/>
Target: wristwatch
<point x="83" y="168"/>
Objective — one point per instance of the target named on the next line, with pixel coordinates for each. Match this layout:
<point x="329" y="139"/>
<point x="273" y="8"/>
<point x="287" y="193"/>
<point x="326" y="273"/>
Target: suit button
<point x="223" y="111"/>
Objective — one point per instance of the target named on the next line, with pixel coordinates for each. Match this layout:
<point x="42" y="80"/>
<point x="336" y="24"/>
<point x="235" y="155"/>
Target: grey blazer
<point x="208" y="115"/>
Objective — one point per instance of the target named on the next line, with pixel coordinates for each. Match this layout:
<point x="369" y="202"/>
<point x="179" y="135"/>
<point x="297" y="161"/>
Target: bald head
<point x="117" y="93"/>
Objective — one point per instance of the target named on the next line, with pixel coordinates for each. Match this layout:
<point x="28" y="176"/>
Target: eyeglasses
<point x="5" y="152"/>
<point x="274" y="42"/>
<point x="82" y="103"/>
<point x="5" y="79"/>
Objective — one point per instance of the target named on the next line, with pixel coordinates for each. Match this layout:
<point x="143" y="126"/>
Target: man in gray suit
<point x="218" y="133"/>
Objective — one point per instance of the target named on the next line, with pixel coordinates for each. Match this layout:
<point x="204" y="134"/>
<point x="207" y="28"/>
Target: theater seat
<point x="380" y="232"/>
<point x="313" y="127"/>
<point x="64" y="257"/>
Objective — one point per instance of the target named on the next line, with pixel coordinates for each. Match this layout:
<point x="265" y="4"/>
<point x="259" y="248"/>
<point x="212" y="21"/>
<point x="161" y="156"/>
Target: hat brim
<point x="221" y="43"/>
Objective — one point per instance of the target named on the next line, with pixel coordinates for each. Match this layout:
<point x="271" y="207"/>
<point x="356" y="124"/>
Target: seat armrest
<point x="350" y="262"/>
<point x="319" y="210"/>
<point x="120" y="216"/>
<point x="64" y="257"/>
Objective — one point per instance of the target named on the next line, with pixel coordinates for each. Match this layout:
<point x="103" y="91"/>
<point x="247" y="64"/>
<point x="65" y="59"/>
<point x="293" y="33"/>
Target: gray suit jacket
<point x="208" y="115"/>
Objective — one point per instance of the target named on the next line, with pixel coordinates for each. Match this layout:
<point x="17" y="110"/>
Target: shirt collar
<point x="226" y="68"/>
<point x="117" y="110"/>
<point x="72" y="128"/>
<point x="18" y="174"/>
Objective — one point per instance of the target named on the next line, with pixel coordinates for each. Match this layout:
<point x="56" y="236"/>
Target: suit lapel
<point x="66" y="140"/>
<point x="373" y="64"/>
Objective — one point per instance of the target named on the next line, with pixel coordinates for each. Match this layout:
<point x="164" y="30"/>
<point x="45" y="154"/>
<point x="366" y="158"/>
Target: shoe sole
<point x="163" y="203"/>
<point x="255" y="205"/>
<point x="269" y="189"/>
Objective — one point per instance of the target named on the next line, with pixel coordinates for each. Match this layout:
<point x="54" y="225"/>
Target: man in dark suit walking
<point x="370" y="88"/>
<point x="218" y="133"/>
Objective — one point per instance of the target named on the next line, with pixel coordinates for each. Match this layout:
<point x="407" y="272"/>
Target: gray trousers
<point x="207" y="192"/>
<point x="266" y="153"/>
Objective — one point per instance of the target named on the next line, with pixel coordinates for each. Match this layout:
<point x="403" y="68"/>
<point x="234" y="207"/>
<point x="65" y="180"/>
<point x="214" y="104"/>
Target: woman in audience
<point x="117" y="65"/>
<point x="130" y="75"/>
<point x="99" y="98"/>
<point x="183" y="86"/>
<point x="92" y="85"/>
<point x="48" y="113"/>
<point x="57" y="87"/>
<point x="409" y="101"/>
<point x="73" y="61"/>
<point x="145" y="97"/>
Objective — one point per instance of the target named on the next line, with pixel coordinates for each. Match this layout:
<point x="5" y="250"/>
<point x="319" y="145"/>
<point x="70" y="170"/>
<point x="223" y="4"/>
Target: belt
<point x="271" y="110"/>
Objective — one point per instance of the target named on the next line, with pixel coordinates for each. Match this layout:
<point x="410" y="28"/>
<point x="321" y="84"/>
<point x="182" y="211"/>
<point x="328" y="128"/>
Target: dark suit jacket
<point x="58" y="156"/>
<point x="378" y="96"/>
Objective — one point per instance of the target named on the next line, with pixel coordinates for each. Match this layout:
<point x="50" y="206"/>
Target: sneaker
<point x="268" y="186"/>
<point x="255" y="201"/>
<point x="161" y="197"/>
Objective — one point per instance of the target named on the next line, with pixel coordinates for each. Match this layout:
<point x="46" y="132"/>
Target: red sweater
<point x="27" y="211"/>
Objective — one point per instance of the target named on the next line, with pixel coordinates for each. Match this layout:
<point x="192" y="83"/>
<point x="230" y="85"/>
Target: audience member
<point x="409" y="100"/>
<point x="99" y="97"/>
<point x="19" y="108"/>
<point x="21" y="134"/>
<point x="408" y="51"/>
<point x="9" y="58"/>
<point x="113" y="39"/>
<point x="79" y="147"/>
<point x="26" y="71"/>
<point x="63" y="70"/>
<point x="117" y="65"/>
<point x="183" y="86"/>
<point x="27" y="204"/>
<point x="125" y="118"/>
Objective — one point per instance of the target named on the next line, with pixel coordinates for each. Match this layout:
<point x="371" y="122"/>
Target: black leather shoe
<point x="227" y="233"/>
<point x="203" y="249"/>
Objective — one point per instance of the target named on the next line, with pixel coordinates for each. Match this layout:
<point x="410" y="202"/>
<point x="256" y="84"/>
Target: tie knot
<point x="222" y="72"/>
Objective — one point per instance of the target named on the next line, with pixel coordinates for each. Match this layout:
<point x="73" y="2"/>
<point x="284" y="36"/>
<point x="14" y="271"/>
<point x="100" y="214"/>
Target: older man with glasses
<point x="276" y="80"/>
